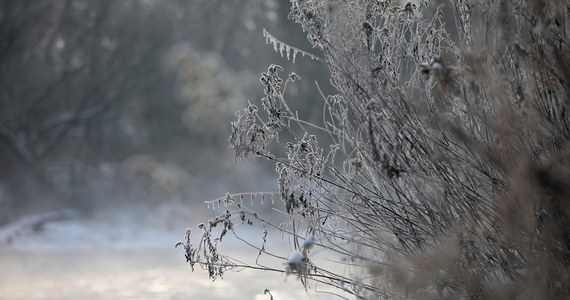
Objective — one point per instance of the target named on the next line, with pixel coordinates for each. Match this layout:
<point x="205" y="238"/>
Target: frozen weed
<point x="448" y="171"/>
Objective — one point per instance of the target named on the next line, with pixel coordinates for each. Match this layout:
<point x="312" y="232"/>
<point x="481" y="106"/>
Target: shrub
<point x="446" y="172"/>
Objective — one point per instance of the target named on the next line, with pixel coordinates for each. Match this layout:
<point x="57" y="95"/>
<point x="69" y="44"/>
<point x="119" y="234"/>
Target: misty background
<point x="106" y="102"/>
<point x="114" y="120"/>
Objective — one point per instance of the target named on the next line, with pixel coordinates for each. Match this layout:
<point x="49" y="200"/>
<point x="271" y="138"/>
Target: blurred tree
<point x="85" y="82"/>
<point x="65" y="66"/>
<point x="74" y="76"/>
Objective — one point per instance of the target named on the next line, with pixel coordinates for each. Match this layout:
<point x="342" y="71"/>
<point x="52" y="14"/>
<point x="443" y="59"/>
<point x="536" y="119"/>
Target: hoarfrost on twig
<point x="281" y="47"/>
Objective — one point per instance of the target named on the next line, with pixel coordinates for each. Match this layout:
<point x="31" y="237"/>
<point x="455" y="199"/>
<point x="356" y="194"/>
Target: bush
<point x="447" y="170"/>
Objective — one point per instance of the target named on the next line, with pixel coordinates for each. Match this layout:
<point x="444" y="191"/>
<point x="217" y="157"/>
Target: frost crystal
<point x="281" y="47"/>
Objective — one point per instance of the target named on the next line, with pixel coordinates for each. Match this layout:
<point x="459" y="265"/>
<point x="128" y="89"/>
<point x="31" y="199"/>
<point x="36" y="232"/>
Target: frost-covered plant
<point x="449" y="167"/>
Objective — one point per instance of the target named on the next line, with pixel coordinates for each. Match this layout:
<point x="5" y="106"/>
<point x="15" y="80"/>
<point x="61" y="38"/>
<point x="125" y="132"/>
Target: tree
<point x="77" y="78"/>
<point x="448" y="171"/>
<point x="66" y="67"/>
<point x="86" y="85"/>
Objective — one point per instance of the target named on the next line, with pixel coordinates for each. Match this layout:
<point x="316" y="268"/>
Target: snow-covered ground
<point x="64" y="231"/>
<point x="121" y="254"/>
